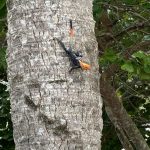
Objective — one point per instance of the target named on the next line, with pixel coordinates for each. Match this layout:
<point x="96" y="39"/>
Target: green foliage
<point x="3" y="10"/>
<point x="138" y="66"/>
<point x="3" y="65"/>
<point x="109" y="56"/>
<point x="139" y="54"/>
<point x="131" y="81"/>
<point x="97" y="10"/>
<point x="6" y="131"/>
<point x="2" y="3"/>
<point x="128" y="66"/>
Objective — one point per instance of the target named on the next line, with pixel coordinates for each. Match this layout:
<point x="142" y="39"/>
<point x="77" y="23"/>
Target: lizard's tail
<point x="61" y="44"/>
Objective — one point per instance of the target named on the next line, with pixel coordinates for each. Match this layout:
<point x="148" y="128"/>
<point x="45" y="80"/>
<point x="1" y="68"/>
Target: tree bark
<point x="52" y="108"/>
<point x="125" y="141"/>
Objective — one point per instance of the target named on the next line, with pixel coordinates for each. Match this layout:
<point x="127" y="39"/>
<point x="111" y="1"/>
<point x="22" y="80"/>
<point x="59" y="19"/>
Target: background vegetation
<point x="6" y="130"/>
<point x="122" y="31"/>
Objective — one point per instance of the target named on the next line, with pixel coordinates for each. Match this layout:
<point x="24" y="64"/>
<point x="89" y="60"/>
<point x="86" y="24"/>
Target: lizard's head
<point x="79" y="54"/>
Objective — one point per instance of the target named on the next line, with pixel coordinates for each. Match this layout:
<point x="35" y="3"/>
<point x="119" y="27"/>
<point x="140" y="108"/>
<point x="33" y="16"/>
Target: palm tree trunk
<point x="52" y="108"/>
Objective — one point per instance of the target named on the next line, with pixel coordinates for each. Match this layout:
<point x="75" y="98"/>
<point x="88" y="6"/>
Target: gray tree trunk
<point x="119" y="129"/>
<point x="52" y="108"/>
<point x="120" y="118"/>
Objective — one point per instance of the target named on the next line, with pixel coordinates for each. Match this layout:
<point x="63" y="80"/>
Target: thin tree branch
<point x="142" y="45"/>
<point x="132" y="28"/>
<point x="113" y="103"/>
<point x="124" y="8"/>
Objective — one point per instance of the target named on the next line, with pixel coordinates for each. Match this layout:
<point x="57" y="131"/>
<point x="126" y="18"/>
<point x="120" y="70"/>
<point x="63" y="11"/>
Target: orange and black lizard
<point x="75" y="57"/>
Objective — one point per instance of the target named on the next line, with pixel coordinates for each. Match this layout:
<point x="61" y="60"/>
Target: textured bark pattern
<point x="52" y="109"/>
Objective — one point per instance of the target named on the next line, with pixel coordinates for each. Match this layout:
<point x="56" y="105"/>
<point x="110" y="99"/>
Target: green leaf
<point x="110" y="55"/>
<point x="147" y="64"/>
<point x="102" y="61"/>
<point x="146" y="38"/>
<point x="139" y="54"/>
<point x="97" y="10"/>
<point x="3" y="64"/>
<point x="147" y="60"/>
<point x="145" y="76"/>
<point x="146" y="5"/>
<point x="3" y="12"/>
<point x="2" y="3"/>
<point x="147" y="68"/>
<point x="127" y="66"/>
